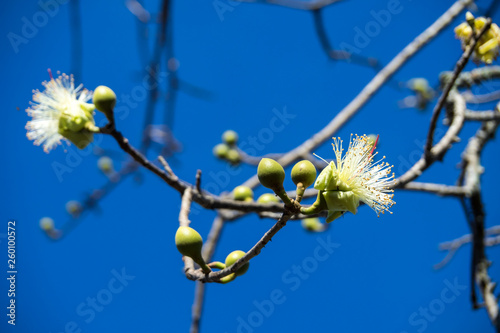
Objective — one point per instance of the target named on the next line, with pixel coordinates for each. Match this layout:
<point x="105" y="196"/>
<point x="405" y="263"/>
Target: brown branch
<point x="480" y="99"/>
<point x="460" y="65"/>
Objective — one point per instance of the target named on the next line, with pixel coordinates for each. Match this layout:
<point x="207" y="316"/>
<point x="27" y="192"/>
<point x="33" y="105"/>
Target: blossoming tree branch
<point x="352" y="176"/>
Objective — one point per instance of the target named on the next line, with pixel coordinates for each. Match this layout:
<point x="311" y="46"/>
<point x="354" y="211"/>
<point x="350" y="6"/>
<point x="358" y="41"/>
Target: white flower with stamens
<point x="61" y="112"/>
<point x="355" y="177"/>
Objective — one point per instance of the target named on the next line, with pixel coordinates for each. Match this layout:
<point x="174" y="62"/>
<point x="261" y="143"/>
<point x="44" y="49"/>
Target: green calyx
<point x="76" y="124"/>
<point x="189" y="243"/>
<point x="271" y="174"/>
<point x="329" y="180"/>
<point x="104" y="100"/>
<point x="339" y="202"/>
<point x="267" y="198"/>
<point x="230" y="137"/>
<point x="235" y="256"/>
<point x="242" y="193"/>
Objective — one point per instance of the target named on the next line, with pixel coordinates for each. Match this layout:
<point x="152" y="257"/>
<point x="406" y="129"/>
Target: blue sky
<point x="364" y="274"/>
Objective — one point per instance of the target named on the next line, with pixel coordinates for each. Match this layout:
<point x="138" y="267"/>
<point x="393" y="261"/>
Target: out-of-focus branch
<point x="454" y="245"/>
<point x="471" y="98"/>
<point x="76" y="39"/>
<point x="338" y="54"/>
<point x="295" y="4"/>
<point x="475" y="76"/>
<point x="457" y="109"/>
<point x="482" y="115"/>
<point x="207" y="253"/>
<point x="439" y="189"/>
<point x="460" y="65"/>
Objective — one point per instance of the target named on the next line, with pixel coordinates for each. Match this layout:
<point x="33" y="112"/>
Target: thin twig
<point x="460" y="65"/>
<point x="254" y="251"/>
<point x="187" y="198"/>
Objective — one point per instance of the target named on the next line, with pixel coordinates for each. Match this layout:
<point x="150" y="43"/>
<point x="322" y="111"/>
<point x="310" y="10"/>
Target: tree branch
<point x="460" y="65"/>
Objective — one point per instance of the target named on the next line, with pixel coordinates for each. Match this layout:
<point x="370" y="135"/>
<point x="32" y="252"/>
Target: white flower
<point x="356" y="177"/>
<point x="60" y="112"/>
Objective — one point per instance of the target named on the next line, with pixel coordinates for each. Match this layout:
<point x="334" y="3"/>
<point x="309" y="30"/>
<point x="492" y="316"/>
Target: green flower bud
<point x="104" y="100"/>
<point x="105" y="164"/>
<point x="221" y="150"/>
<point x="235" y="256"/>
<point x="233" y="156"/>
<point x="230" y="137"/>
<point x="267" y="198"/>
<point x="189" y="243"/>
<point x="47" y="224"/>
<point x="73" y="207"/>
<point x="312" y="224"/>
<point x="304" y="172"/>
<point x="242" y="193"/>
<point x="271" y="174"/>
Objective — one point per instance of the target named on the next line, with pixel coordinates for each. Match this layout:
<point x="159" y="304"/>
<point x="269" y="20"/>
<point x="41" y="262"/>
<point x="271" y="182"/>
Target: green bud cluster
<point x="227" y="149"/>
<point x="272" y="175"/>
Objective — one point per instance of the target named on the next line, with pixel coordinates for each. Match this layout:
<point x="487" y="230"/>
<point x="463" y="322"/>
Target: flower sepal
<point x="329" y="180"/>
<point x="340" y="202"/>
